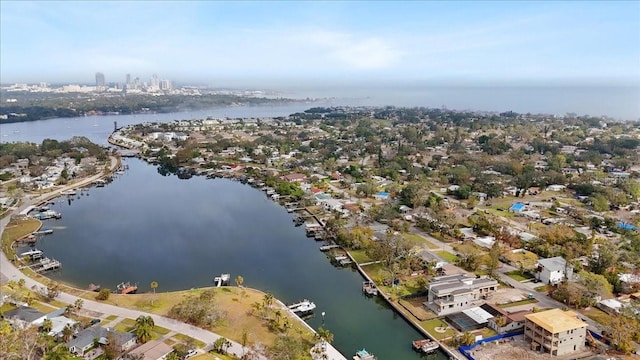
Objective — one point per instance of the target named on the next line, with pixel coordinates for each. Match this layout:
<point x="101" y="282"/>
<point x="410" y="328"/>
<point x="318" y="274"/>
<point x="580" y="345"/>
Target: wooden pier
<point x="46" y="264"/>
<point x="329" y="247"/>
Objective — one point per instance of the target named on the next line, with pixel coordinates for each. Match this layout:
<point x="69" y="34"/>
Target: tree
<point x="153" y="285"/>
<point x="103" y="294"/>
<point x="239" y="281"/>
<point x="78" y="304"/>
<point x="493" y="260"/>
<point x="47" y="325"/>
<point x="324" y="335"/>
<point x="143" y="328"/>
<point x="467" y="338"/>
<point x="621" y="331"/>
<point x="53" y="290"/>
<point x="221" y="345"/>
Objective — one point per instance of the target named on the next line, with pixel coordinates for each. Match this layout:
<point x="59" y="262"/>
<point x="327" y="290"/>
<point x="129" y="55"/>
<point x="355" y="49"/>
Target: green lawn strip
<point x="360" y="256"/>
<point x="185" y="339"/>
<point x="597" y="315"/>
<point x="447" y="256"/>
<point x="431" y="325"/>
<point x="123" y="327"/>
<point x="6" y="307"/>
<point x="543" y="288"/>
<point x="160" y="330"/>
<point x="45" y="309"/>
<point x="517" y="276"/>
<point x="212" y="356"/>
<point x="127" y="321"/>
<point x="518" y="303"/>
<point x="111" y="317"/>
<point x="417" y="239"/>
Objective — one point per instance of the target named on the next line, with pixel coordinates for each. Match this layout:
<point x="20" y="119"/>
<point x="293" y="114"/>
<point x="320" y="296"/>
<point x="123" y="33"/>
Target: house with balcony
<point x="555" y="332"/>
<point x="454" y="293"/>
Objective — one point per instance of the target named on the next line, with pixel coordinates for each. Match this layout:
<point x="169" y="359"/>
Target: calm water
<point x="144" y="227"/>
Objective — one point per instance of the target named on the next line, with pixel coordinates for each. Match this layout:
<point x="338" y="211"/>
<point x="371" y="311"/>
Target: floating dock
<point x="304" y="307"/>
<point x="33" y="254"/>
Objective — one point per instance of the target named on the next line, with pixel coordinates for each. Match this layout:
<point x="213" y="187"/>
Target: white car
<point x="191" y="353"/>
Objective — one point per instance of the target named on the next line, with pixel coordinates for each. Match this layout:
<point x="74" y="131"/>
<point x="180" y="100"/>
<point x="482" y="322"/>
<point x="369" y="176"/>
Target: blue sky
<point x="262" y="43"/>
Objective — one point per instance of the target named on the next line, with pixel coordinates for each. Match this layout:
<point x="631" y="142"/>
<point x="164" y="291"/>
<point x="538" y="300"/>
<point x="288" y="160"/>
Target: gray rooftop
<point x="553" y="264"/>
<point x="23" y="313"/>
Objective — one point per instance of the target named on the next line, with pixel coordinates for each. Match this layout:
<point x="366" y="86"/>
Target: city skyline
<point x="280" y="43"/>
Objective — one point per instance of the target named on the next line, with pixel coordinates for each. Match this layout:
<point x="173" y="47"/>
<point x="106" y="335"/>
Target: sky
<point x="245" y="43"/>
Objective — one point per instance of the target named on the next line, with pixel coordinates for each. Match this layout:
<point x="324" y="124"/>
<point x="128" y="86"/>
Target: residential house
<point x="152" y="350"/>
<point x="86" y="339"/>
<point x="294" y="178"/>
<point x="552" y="270"/>
<point x="24" y="317"/>
<point x="381" y="196"/>
<point x="555" y="332"/>
<point x="610" y="306"/>
<point x="454" y="293"/>
<point x="504" y="321"/>
<point x="58" y="323"/>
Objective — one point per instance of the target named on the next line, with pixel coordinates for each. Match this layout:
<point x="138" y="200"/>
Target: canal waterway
<point x="146" y="227"/>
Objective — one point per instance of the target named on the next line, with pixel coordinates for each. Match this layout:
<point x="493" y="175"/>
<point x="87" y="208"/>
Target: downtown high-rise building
<point x="100" y="83"/>
<point x="128" y="79"/>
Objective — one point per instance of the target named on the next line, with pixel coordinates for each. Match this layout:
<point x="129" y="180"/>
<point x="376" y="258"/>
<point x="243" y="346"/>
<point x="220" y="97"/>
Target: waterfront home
<point x="152" y="350"/>
<point x="504" y="321"/>
<point x="58" y="323"/>
<point x="454" y="293"/>
<point x="555" y="332"/>
<point x="294" y="178"/>
<point x="552" y="270"/>
<point x="89" y="337"/>
<point x="24" y="317"/>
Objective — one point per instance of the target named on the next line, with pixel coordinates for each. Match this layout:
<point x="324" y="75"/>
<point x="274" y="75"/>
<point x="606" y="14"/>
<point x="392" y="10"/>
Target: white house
<point x="552" y="270"/>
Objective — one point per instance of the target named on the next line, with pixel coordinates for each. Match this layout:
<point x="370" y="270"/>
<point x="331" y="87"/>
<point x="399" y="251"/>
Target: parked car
<point x="190" y="353"/>
<point x="94" y="321"/>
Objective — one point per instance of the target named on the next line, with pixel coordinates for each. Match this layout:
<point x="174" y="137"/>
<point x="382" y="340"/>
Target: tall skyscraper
<point x="128" y="79"/>
<point x="155" y="82"/>
<point x="100" y="83"/>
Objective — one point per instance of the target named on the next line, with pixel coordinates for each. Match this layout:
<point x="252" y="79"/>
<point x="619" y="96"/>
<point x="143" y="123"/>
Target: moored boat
<point x="425" y="345"/>
<point x="363" y="355"/>
<point x="127" y="288"/>
<point x="303" y="307"/>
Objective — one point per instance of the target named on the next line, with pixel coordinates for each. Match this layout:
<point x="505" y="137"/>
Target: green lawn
<point x="516" y="275"/>
<point x="431" y="325"/>
<point x="417" y="239"/>
<point x="360" y="256"/>
<point x="518" y="303"/>
<point x="111" y="317"/>
<point x="597" y="315"/>
<point x="184" y="339"/>
<point x="447" y="256"/>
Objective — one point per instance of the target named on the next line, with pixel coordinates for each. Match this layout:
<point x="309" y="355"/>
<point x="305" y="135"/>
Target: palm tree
<point x="47" y="325"/>
<point x="267" y="300"/>
<point x="67" y="332"/>
<point x="278" y="315"/>
<point x="154" y="285"/>
<point x="324" y="335"/>
<point x="144" y="326"/>
<point x="78" y="304"/>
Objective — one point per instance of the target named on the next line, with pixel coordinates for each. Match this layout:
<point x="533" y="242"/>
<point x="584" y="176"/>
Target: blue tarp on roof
<point x="626" y="226"/>
<point x="382" y="194"/>
<point x="517" y="207"/>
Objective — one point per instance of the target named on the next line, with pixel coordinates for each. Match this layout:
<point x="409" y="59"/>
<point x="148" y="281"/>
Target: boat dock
<point x="222" y="280"/>
<point x="46" y="264"/>
<point x="33" y="254"/>
<point x="126" y="288"/>
<point x="329" y="247"/>
<point x="46" y="231"/>
<point x="369" y="288"/>
<point x="304" y="307"/>
<point x="49" y="214"/>
<point x="343" y="260"/>
<point x="425" y="346"/>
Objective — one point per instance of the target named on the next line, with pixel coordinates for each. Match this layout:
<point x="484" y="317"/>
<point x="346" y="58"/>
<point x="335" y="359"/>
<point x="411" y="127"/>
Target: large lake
<point x="146" y="227"/>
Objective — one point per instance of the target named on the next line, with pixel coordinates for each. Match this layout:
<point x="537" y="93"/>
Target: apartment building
<point x="555" y="332"/>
